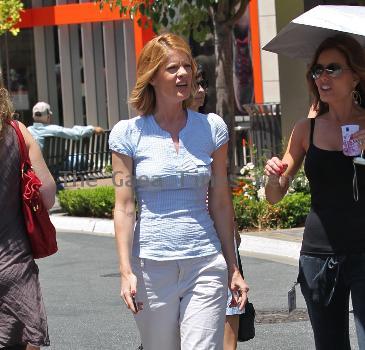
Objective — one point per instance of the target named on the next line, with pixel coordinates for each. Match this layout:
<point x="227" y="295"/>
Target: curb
<point x="250" y="245"/>
<point x="270" y="247"/>
<point x="104" y="227"/>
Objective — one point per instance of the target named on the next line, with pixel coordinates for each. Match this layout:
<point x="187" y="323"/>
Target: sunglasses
<point x="203" y="83"/>
<point x="332" y="69"/>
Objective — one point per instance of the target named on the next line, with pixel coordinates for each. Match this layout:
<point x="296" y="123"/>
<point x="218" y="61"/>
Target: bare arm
<point x="281" y="172"/>
<point x="221" y="211"/>
<point x="124" y="219"/>
<point x="48" y="188"/>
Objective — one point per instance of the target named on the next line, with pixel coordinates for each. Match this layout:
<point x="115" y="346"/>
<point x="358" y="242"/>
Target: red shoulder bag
<point x="41" y="232"/>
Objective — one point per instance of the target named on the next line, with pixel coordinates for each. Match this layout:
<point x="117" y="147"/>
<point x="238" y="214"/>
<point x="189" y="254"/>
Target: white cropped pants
<point x="184" y="302"/>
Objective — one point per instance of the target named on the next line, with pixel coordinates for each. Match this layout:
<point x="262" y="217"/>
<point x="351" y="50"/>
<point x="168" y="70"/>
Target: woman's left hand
<point x="239" y="289"/>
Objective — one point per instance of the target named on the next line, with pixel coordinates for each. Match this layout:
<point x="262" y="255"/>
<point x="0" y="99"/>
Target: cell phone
<point x="292" y="298"/>
<point x="134" y="303"/>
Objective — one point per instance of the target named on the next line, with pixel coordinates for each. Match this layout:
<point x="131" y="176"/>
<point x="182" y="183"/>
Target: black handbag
<point x="246" y="329"/>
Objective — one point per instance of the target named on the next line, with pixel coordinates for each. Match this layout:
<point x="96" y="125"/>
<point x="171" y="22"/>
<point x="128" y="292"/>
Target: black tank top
<point x="336" y="222"/>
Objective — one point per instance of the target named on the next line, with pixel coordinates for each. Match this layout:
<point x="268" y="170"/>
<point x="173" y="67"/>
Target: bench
<point x="77" y="160"/>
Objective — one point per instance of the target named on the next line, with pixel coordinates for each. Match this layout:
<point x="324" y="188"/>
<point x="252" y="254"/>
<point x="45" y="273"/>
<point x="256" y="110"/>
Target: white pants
<point x="184" y="303"/>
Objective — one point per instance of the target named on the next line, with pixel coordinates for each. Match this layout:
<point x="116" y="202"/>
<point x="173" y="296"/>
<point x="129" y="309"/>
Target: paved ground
<point x="81" y="290"/>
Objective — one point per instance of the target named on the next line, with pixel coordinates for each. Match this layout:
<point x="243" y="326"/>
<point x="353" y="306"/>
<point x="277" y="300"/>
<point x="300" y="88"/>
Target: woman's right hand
<point x="129" y="292"/>
<point x="277" y="183"/>
<point x="274" y="168"/>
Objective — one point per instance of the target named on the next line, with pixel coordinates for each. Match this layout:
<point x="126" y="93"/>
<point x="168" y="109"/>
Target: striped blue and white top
<point x="171" y="187"/>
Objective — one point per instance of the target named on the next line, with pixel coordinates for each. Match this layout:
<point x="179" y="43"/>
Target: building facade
<point x="77" y="58"/>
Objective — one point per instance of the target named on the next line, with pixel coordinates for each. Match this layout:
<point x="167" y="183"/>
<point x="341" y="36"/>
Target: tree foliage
<point x="181" y="16"/>
<point x="10" y="15"/>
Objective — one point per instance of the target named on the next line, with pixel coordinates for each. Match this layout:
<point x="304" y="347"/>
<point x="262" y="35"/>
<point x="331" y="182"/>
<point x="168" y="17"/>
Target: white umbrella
<point x="301" y="37"/>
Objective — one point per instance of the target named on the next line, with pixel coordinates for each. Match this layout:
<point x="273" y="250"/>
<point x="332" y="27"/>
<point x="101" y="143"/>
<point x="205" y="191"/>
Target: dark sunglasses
<point x="203" y="83"/>
<point x="332" y="69"/>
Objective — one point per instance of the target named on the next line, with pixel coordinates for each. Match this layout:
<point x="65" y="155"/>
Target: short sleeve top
<point x="171" y="187"/>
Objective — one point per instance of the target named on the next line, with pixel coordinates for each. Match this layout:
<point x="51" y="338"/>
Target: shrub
<point x="251" y="212"/>
<point x="89" y="202"/>
<point x="291" y="211"/>
<point x="245" y="210"/>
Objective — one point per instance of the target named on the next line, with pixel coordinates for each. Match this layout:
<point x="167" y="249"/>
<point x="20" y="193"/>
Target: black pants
<point x="331" y="323"/>
<point x="15" y="347"/>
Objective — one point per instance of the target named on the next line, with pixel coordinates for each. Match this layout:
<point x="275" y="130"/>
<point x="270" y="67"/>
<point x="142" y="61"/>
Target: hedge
<point x="90" y="202"/>
<point x="291" y="211"/>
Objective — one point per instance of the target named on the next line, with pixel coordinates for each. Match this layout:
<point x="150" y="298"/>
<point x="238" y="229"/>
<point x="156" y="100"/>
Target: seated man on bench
<point x="42" y="126"/>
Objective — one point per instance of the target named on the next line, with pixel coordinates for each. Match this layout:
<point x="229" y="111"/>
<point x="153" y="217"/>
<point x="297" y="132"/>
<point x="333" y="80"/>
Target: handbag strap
<point x="24" y="155"/>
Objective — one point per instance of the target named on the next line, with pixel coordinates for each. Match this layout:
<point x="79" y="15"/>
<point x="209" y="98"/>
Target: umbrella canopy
<point x="301" y="37"/>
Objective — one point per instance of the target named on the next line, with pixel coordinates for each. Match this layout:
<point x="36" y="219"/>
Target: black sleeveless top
<point x="336" y="222"/>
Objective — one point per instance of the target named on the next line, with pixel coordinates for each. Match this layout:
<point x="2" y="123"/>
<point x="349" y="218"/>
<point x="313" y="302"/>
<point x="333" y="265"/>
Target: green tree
<point x="10" y="15"/>
<point x="192" y="16"/>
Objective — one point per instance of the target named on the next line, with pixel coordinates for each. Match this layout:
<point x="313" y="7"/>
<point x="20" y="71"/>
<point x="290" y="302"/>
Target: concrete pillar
<point x="70" y="62"/>
<point x="45" y="61"/>
<point x="130" y="60"/>
<point x="94" y="76"/>
<point x="269" y="60"/>
<point x="69" y="48"/>
<point x="294" y="95"/>
<point x="115" y="72"/>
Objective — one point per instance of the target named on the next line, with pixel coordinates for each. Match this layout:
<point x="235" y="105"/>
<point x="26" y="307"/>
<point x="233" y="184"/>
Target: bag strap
<point x="24" y="155"/>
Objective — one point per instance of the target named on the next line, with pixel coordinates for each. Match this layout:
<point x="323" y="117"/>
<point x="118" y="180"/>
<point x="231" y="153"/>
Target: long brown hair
<point x="6" y="108"/>
<point x="355" y="58"/>
<point x="153" y="55"/>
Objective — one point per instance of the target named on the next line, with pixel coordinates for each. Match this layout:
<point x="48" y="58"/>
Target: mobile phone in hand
<point x="134" y="303"/>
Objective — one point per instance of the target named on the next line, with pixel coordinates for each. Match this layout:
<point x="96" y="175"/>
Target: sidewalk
<point x="277" y="245"/>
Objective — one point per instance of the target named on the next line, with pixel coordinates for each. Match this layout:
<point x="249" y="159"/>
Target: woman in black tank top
<point x="332" y="261"/>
